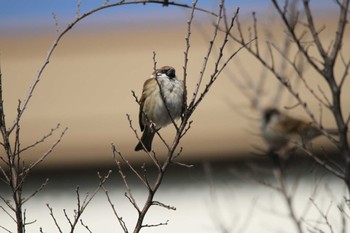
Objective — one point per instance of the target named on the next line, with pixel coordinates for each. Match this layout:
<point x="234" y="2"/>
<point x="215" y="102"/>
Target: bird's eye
<point x="267" y="116"/>
<point x="170" y="73"/>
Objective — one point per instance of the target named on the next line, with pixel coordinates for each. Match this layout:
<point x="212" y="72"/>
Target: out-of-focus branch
<point x="291" y="29"/>
<point x="311" y="26"/>
<point x="325" y="164"/>
<point x="339" y="35"/>
<point x="324" y="65"/>
<point x="278" y="172"/>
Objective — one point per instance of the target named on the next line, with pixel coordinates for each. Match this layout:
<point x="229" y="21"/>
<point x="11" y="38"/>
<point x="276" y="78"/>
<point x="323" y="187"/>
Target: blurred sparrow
<point x="281" y="131"/>
<point x="153" y="113"/>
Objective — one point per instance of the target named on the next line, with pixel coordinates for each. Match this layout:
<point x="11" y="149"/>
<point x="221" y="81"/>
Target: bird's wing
<point x="141" y="102"/>
<point x="140" y="116"/>
<point x="291" y="125"/>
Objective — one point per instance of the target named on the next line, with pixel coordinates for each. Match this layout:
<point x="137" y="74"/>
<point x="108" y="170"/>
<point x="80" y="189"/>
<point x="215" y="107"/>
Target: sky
<point x="39" y="9"/>
<point x="18" y="15"/>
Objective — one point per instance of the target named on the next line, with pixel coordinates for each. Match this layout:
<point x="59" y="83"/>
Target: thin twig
<point x="120" y="219"/>
<point x="324" y="164"/>
<point x="36" y="191"/>
<point x="42" y="158"/>
<point x="41" y="140"/>
<point x="1" y="207"/>
<point x="324" y="215"/>
<point x="54" y="218"/>
<point x="295" y="38"/>
<point x="206" y="58"/>
<point x="85" y="226"/>
<point x="5" y="229"/>
<point x="156" y="225"/>
<point x="129" y="194"/>
<point x="288" y="199"/>
<point x="163" y="205"/>
<point x="150" y="154"/>
<point x="186" y="52"/>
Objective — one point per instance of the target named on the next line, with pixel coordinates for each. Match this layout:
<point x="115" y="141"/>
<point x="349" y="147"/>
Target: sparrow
<point x="155" y="111"/>
<point x="281" y="132"/>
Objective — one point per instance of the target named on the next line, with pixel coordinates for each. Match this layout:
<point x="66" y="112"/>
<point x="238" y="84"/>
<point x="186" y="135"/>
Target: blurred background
<point x="87" y="88"/>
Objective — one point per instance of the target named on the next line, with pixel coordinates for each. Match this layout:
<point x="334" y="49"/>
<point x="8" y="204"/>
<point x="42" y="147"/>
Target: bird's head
<point x="166" y="70"/>
<point x="269" y="113"/>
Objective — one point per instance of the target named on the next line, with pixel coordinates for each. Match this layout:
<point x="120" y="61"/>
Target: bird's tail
<point x="146" y="140"/>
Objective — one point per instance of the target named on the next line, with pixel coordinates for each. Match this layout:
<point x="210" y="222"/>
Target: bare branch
<point x="5" y="229"/>
<point x="54" y="218"/>
<point x="85" y="226"/>
<point x="41" y="140"/>
<point x="7" y="178"/>
<point x="81" y="206"/>
<point x="8" y="214"/>
<point x="188" y="127"/>
<point x="299" y="73"/>
<point x="324" y="164"/>
<point x="324" y="215"/>
<point x="339" y="35"/>
<point x="295" y="37"/>
<point x="206" y="58"/>
<point x="68" y="219"/>
<point x="283" y="67"/>
<point x="328" y="103"/>
<point x="150" y="154"/>
<point x="57" y="27"/>
<point x="120" y="219"/>
<point x="156" y="225"/>
<point x="186" y="52"/>
<point x="129" y="194"/>
<point x="345" y="74"/>
<point x="313" y="30"/>
<point x="255" y="33"/>
<point x="42" y="158"/>
<point x="278" y="172"/>
<point x="36" y="191"/>
<point x="215" y="75"/>
<point x="163" y="205"/>
<point x="77" y="13"/>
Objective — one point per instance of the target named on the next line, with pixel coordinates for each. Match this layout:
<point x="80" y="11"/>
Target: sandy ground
<point x="87" y="88"/>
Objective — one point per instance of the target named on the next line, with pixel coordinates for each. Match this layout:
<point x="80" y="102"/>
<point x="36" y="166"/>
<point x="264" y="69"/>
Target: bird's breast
<point x="154" y="107"/>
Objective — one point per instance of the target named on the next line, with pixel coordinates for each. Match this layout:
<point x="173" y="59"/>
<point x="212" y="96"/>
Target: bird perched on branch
<point x="161" y="103"/>
<point x="282" y="132"/>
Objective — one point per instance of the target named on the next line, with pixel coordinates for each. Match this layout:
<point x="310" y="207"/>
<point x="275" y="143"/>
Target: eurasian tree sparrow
<point x="281" y="131"/>
<point x="153" y="113"/>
